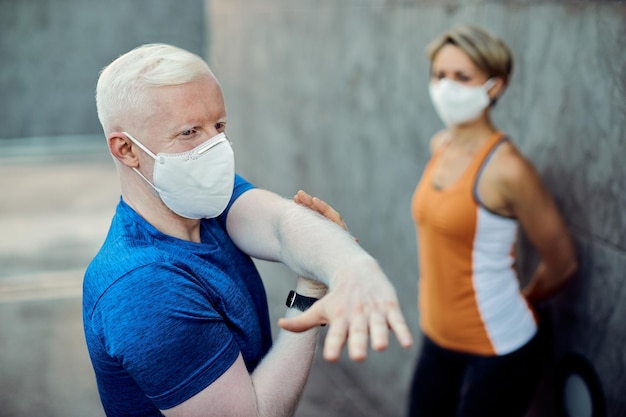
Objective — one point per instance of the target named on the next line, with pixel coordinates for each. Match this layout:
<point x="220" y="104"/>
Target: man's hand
<point x="361" y="304"/>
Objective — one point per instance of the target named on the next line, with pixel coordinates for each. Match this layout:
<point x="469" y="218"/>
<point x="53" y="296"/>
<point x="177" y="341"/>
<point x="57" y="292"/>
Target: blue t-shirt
<point x="165" y="317"/>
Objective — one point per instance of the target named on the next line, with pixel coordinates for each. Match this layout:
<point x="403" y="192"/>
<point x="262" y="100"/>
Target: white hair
<point x="122" y="84"/>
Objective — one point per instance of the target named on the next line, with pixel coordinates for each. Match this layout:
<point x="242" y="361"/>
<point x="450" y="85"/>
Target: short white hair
<point x="122" y="84"/>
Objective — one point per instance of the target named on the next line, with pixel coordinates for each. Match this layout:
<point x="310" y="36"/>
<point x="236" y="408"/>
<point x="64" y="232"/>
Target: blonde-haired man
<point x="175" y="314"/>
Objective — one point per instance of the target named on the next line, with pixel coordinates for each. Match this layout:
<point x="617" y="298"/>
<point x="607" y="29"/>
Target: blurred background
<point x="329" y="96"/>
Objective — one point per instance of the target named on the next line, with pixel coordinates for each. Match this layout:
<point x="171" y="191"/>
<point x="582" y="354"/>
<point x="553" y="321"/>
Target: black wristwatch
<point x="299" y="301"/>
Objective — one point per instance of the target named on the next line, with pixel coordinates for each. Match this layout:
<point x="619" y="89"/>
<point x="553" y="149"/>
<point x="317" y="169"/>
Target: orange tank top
<point x="469" y="294"/>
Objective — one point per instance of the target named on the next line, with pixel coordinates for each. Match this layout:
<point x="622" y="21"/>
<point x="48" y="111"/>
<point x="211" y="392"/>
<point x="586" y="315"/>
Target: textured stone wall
<point x="331" y="96"/>
<point x="58" y="184"/>
<point x="51" y="53"/>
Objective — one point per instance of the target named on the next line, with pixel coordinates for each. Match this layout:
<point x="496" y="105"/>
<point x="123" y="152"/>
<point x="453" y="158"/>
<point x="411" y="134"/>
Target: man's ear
<point x="121" y="148"/>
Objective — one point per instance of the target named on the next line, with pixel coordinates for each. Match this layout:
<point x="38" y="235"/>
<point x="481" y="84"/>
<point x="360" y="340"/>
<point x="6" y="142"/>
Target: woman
<point x="481" y="352"/>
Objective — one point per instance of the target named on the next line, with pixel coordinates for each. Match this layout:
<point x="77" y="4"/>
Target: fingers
<point x="323" y="208"/>
<point x="335" y="340"/>
<point x="366" y="324"/>
<point x="303" y="198"/>
<point x="371" y="324"/>
<point x="305" y="321"/>
<point x="399" y="327"/>
<point x="358" y="337"/>
<point x="379" y="331"/>
<point x="354" y="331"/>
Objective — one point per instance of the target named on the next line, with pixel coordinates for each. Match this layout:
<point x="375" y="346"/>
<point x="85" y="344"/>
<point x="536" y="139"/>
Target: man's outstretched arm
<point x="361" y="304"/>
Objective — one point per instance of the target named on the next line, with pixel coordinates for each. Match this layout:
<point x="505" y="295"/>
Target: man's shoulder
<point x="111" y="264"/>
<point x="126" y="249"/>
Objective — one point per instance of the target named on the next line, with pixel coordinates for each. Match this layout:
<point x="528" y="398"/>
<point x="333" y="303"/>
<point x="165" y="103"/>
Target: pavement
<point x="57" y="201"/>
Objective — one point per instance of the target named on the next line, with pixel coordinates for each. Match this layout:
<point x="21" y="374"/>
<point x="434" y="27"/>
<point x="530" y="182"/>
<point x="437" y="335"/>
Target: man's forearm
<point x="280" y="378"/>
<point x="361" y="304"/>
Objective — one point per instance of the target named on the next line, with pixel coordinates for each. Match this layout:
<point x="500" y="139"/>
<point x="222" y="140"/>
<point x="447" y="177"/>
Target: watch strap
<point x="299" y="301"/>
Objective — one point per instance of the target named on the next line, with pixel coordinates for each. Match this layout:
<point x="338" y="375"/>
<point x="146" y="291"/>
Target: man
<point x="175" y="314"/>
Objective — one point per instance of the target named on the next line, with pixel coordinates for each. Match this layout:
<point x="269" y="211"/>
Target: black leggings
<point x="453" y="384"/>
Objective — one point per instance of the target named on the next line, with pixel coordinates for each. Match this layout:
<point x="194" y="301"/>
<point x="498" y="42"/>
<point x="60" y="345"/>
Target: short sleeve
<point x="161" y="325"/>
<point x="240" y="187"/>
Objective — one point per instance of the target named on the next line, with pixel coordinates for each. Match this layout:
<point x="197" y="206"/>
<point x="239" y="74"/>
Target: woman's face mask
<point x="456" y="103"/>
<point x="195" y="184"/>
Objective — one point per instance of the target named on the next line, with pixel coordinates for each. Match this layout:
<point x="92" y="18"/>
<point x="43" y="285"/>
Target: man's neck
<point x="148" y="205"/>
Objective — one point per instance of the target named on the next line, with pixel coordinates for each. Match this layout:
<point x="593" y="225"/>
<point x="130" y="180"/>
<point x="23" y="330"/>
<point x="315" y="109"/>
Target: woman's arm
<point x="542" y="223"/>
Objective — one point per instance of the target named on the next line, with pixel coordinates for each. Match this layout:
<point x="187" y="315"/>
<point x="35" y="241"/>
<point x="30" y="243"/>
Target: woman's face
<point x="454" y="64"/>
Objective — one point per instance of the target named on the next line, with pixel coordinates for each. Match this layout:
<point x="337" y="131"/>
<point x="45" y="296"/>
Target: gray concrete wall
<point x="331" y="96"/>
<point x="51" y="53"/>
<point x="54" y="214"/>
<point x="58" y="184"/>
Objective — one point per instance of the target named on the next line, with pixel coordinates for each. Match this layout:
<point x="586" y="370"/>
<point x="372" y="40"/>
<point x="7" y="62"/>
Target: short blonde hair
<point x="489" y="53"/>
<point x="122" y="84"/>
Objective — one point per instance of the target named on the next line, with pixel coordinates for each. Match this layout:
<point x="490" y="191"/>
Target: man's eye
<point x="220" y="126"/>
<point x="187" y="132"/>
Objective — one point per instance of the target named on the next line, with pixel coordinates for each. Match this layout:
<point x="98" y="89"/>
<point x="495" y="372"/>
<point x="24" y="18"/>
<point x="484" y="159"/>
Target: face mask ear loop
<point x="143" y="148"/>
<point x="145" y="179"/>
<point x="487" y="86"/>
<point x="146" y="150"/>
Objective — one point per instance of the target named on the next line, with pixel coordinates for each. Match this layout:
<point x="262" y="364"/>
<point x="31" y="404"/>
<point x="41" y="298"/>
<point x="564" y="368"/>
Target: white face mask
<point x="456" y="103"/>
<point x="195" y="184"/>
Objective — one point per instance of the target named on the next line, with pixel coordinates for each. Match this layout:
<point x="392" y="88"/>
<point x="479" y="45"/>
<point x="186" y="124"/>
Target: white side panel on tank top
<point x="507" y="318"/>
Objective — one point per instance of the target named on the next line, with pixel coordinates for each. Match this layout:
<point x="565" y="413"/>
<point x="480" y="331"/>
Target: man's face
<point x="181" y="117"/>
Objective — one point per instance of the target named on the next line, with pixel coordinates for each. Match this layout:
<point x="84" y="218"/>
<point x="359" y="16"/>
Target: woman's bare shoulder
<point x="513" y="169"/>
